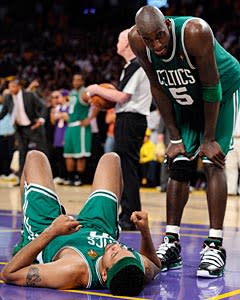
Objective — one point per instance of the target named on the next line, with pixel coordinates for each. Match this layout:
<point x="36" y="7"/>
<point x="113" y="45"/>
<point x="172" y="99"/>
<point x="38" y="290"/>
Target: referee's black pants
<point x="129" y="134"/>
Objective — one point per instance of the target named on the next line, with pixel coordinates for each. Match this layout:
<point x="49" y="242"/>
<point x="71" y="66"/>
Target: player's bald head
<point x="149" y="18"/>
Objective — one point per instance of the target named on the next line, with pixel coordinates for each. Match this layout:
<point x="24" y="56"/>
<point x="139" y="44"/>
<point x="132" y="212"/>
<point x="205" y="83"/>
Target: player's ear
<point x="104" y="275"/>
<point x="168" y="23"/>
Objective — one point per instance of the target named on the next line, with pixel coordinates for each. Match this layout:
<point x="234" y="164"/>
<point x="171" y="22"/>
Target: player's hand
<point x="33" y="85"/>
<point x="92" y="89"/>
<point x="85" y="122"/>
<point x="63" y="225"/>
<point x="140" y="219"/>
<point x="172" y="151"/>
<point x="86" y="97"/>
<point x="213" y="151"/>
<point x="38" y="123"/>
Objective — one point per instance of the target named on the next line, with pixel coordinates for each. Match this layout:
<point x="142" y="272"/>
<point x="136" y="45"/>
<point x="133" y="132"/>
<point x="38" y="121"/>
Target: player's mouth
<point x="161" y="52"/>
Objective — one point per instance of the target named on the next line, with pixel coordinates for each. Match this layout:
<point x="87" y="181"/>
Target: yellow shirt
<point x="147" y="152"/>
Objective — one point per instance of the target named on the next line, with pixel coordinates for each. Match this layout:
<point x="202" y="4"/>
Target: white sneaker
<point x="77" y="182"/>
<point x="58" y="180"/>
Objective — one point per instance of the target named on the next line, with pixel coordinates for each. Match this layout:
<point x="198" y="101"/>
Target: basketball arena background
<point x="49" y="40"/>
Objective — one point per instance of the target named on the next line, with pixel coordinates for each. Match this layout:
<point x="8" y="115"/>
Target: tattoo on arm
<point x="33" y="276"/>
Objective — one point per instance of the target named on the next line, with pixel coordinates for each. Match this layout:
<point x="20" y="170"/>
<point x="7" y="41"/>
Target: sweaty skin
<point x="153" y="31"/>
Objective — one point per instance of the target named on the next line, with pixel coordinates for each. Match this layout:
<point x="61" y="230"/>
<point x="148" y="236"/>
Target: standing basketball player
<point x="77" y="145"/>
<point x="195" y="83"/>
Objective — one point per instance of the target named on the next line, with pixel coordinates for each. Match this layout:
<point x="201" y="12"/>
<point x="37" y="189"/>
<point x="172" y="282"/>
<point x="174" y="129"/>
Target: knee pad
<point x="182" y="170"/>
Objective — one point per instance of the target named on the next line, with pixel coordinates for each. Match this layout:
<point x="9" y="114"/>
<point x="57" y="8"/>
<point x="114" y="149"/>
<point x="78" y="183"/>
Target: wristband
<point x="176" y="141"/>
<point x="212" y="93"/>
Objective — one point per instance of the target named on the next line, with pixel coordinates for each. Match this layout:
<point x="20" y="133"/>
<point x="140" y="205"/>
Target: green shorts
<point x="101" y="212"/>
<point x="41" y="207"/>
<point x="191" y="124"/>
<point x="77" y="142"/>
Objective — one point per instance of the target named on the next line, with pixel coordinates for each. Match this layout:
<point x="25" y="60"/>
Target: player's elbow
<point x="6" y="276"/>
<point x="12" y="278"/>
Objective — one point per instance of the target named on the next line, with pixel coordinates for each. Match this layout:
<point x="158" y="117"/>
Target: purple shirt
<point x="60" y="127"/>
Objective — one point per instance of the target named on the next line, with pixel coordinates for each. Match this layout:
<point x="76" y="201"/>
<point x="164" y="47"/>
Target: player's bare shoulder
<point x="136" y="43"/>
<point x="198" y="36"/>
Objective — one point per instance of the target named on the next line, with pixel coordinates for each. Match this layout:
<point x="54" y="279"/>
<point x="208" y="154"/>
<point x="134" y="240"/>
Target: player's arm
<point x="163" y="102"/>
<point x="94" y="111"/>
<point x="199" y="41"/>
<point x="151" y="261"/>
<point x="113" y="95"/>
<point x="21" y="271"/>
<point x="44" y="275"/>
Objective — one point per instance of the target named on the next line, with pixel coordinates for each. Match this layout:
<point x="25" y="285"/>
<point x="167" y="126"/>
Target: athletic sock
<point x="174" y="231"/>
<point x="216" y="234"/>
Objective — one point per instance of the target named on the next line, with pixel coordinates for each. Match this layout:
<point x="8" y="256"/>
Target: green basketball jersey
<point x="179" y="78"/>
<point x="90" y="244"/>
<point x="78" y="109"/>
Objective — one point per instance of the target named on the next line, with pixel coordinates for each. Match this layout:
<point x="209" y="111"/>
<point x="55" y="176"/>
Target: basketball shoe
<point x="169" y="253"/>
<point x="213" y="259"/>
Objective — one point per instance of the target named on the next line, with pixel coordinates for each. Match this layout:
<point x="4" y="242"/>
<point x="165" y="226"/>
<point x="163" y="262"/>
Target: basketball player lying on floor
<point x="83" y="252"/>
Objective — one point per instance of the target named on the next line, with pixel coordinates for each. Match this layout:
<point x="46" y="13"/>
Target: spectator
<point x="148" y="163"/>
<point x="7" y="142"/>
<point x="59" y="117"/>
<point x="29" y="113"/>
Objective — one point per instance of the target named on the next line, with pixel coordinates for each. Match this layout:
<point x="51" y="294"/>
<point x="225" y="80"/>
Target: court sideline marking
<point x="225" y="295"/>
<point x="97" y="294"/>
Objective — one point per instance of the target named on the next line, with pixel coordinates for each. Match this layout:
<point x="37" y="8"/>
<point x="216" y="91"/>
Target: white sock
<point x="216" y="233"/>
<point x="173" y="229"/>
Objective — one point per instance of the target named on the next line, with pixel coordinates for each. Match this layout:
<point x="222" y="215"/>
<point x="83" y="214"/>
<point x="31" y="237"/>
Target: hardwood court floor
<point x="177" y="285"/>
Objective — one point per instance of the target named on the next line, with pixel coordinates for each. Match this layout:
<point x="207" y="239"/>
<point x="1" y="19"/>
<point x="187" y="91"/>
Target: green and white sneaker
<point x="169" y="254"/>
<point x="213" y="259"/>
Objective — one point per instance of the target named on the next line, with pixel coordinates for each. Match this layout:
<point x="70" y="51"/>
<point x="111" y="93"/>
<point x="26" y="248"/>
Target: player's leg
<point x="81" y="164"/>
<point x="40" y="202"/>
<point x="68" y="154"/>
<point x="82" y="150"/>
<point x="37" y="170"/>
<point x="101" y="208"/>
<point x="108" y="174"/>
<point x="181" y="172"/>
<point x="213" y="255"/>
<point x="177" y="197"/>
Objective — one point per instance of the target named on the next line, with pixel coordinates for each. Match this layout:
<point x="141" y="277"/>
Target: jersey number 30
<point x="180" y="95"/>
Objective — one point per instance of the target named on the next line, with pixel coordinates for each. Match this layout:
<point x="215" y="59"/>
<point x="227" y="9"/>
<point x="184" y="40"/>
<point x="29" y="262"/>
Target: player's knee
<point x="210" y="169"/>
<point x="34" y="155"/>
<point x="181" y="170"/>
<point x="111" y="157"/>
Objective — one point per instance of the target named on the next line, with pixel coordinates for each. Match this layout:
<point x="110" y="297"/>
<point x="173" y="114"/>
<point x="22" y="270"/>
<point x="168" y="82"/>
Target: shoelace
<point x="162" y="249"/>
<point x="211" y="256"/>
